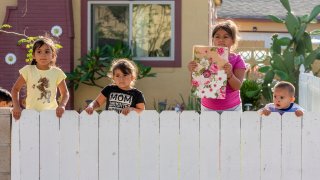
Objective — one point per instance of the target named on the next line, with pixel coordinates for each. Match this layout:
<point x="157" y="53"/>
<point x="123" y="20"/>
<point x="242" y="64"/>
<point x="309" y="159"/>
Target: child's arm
<point x="139" y="108"/>
<point x="64" y="100"/>
<point x="16" y="111"/>
<point x="101" y="99"/>
<point x="235" y="77"/>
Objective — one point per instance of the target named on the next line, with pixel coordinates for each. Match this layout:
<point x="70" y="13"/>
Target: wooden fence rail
<point x="166" y="146"/>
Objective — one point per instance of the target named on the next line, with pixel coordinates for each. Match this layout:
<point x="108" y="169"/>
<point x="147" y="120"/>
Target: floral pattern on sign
<point x="209" y="79"/>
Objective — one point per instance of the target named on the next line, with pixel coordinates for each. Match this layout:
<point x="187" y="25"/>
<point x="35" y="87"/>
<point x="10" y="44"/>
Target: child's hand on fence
<point x="59" y="111"/>
<point x="89" y="110"/>
<point x="298" y="113"/>
<point x="16" y="112"/>
<point x="192" y="66"/>
<point x="126" y="110"/>
<point x="265" y="112"/>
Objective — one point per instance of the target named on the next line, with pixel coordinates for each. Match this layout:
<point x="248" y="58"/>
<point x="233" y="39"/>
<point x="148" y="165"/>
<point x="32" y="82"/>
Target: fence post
<point x="5" y="140"/>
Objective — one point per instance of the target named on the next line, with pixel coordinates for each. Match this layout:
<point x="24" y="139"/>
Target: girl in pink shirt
<point x="225" y="34"/>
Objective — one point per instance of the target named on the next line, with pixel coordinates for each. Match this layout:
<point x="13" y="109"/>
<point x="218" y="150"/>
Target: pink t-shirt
<point x="232" y="96"/>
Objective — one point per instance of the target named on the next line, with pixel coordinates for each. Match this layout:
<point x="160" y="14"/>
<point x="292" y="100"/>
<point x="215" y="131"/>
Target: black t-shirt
<point x="117" y="99"/>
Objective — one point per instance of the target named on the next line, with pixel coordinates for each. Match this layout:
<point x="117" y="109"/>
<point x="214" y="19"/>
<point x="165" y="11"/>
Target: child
<point x="5" y="98"/>
<point x="120" y="96"/>
<point x="42" y="79"/>
<point x="283" y="100"/>
<point x="225" y="34"/>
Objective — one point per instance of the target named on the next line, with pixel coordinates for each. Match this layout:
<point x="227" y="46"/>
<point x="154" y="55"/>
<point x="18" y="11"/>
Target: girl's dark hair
<point x="231" y="28"/>
<point x="50" y="43"/>
<point x="126" y="66"/>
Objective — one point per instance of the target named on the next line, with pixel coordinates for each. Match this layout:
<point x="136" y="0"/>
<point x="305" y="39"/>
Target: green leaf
<point x="281" y="74"/>
<point x="301" y="48"/>
<point x="292" y="24"/>
<point x="301" y="31"/>
<point x="267" y="93"/>
<point x="304" y="18"/>
<point x="298" y="60"/>
<point x="5" y="26"/>
<point x="276" y="47"/>
<point x="268" y="77"/>
<point x="278" y="63"/>
<point x="264" y="69"/>
<point x="288" y="59"/>
<point x="311" y="57"/>
<point x="251" y="94"/>
<point x="307" y="41"/>
<point x="284" y="41"/>
<point x="314" y="13"/>
<point x="286" y="5"/>
<point x="276" y="19"/>
<point x="85" y="77"/>
<point x="315" y="32"/>
<point x="318" y="56"/>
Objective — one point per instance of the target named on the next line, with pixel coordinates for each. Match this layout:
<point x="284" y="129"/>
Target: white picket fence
<point x="309" y="91"/>
<point x="169" y="146"/>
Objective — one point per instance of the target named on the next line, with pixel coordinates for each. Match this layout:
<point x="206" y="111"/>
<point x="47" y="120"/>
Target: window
<point x="150" y="28"/>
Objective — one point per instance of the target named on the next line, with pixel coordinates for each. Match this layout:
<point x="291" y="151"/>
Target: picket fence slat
<point x="15" y="150"/>
<point x="170" y="145"/>
<point x="29" y="145"/>
<point x="311" y="146"/>
<point x="291" y="147"/>
<point x="149" y="145"/>
<point x="209" y="145"/>
<point x="230" y="145"/>
<point x="129" y="147"/>
<point x="271" y="147"/>
<point x="309" y="94"/>
<point x="250" y="146"/>
<point x="49" y="145"/>
<point x="108" y="145"/>
<point x="69" y="146"/>
<point x="315" y="103"/>
<point x="88" y="146"/>
<point x="189" y="136"/>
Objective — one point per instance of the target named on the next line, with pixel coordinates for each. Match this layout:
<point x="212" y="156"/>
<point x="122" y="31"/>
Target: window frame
<point x="174" y="61"/>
